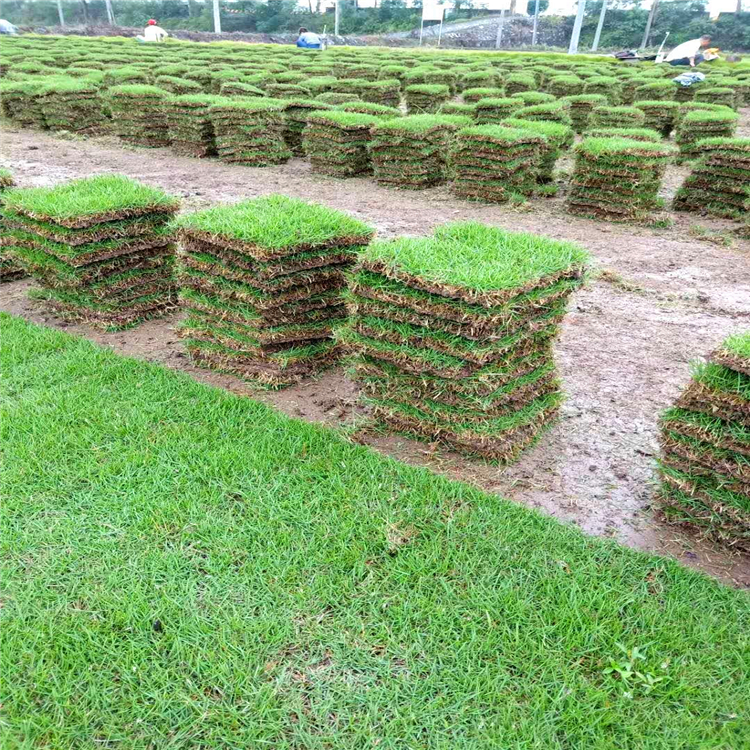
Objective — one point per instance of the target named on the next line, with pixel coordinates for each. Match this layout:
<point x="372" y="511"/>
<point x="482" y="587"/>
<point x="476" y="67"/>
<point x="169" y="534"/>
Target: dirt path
<point x="664" y="298"/>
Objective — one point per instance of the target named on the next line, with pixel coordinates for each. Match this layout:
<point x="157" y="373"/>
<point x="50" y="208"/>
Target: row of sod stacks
<point x="493" y="163"/>
<point x="697" y="125"/>
<point x="720" y="183"/>
<point x="413" y="152"/>
<point x="191" y="131"/>
<point x="250" y="131"/>
<point x="705" y="442"/>
<point x="451" y="336"/>
<point x="9" y="268"/>
<point x="262" y="283"/>
<point x="100" y="247"/>
<point x="659" y="115"/>
<point x="139" y="114"/>
<point x="336" y="142"/>
<point x="617" y="178"/>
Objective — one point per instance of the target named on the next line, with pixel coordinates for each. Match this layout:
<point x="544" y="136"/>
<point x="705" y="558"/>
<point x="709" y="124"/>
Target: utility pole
<point x="60" y="12"/>
<point x="647" y="32"/>
<point x="337" y="18"/>
<point x="536" y="22"/>
<point x="573" y="48"/>
<point x="217" y="18"/>
<point x="110" y="12"/>
<point x="595" y="45"/>
<point x="499" y="37"/>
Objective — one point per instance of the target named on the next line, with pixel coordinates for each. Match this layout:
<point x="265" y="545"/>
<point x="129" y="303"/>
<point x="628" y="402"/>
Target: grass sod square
<point x="557" y="139"/>
<point x="581" y="106"/>
<point x="425" y="98"/>
<point x="616" y="117"/>
<point x="697" y="125"/>
<point x="138" y="114"/>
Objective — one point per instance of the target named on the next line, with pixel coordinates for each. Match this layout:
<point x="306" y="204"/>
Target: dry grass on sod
<point x="413" y="152"/>
<point x="617" y="178"/>
<point x="262" y="281"/>
<point x="451" y="335"/>
<point x="493" y="163"/>
<point x="705" y="441"/>
<point x="99" y="246"/>
<point x="336" y="142"/>
<point x="10" y="269"/>
<point x="720" y="183"/>
<point x="139" y="114"/>
<point x="189" y="568"/>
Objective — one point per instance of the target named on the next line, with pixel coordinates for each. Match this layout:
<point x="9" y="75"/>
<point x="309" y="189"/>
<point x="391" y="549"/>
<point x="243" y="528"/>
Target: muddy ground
<point x="660" y="297"/>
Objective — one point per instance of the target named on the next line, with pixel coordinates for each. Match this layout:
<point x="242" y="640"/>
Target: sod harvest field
<point x="186" y="568"/>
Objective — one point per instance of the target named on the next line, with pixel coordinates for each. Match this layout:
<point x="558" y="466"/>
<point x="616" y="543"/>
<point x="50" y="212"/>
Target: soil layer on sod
<point x="450" y="336"/>
<point x="262" y="285"/>
<point x="108" y="280"/>
<point x="705" y="441"/>
<point x="189" y="563"/>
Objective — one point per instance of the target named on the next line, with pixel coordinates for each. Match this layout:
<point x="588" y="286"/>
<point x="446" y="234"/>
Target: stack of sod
<point x="238" y="88"/>
<point x="458" y="108"/>
<point x="191" y="131"/>
<point x="334" y="97"/>
<point x="451" y="336"/>
<point x="426" y="97"/>
<point x="607" y="86"/>
<point x="581" y="107"/>
<point x="490" y="110"/>
<point x="369" y="108"/>
<point x="71" y="104"/>
<point x="296" y="112"/>
<point x="698" y="125"/>
<point x="493" y="163"/>
<point x="655" y="91"/>
<point x="565" y="85"/>
<point x="516" y="82"/>
<point x="617" y="178"/>
<point x="660" y="115"/>
<point x="532" y="98"/>
<point x="178" y="86"/>
<point x="250" y="131"/>
<point x="99" y="246"/>
<point x="336" y="142"/>
<point x="557" y="138"/>
<point x="472" y="96"/>
<point x="385" y="92"/>
<point x="717" y="95"/>
<point x="616" y="117"/>
<point x="139" y="114"/>
<point x="9" y="268"/>
<point x="705" y="442"/>
<point x="262" y="284"/>
<point x="558" y="111"/>
<point x="720" y="183"/>
<point x="412" y="152"/>
<point x="634" y="134"/>
<point x="21" y="102"/>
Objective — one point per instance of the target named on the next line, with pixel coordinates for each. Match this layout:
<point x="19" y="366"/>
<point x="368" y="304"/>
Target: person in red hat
<point x="153" y="33"/>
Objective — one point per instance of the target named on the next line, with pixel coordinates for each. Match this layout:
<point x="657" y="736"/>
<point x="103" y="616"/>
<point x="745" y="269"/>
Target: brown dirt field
<point x="661" y="298"/>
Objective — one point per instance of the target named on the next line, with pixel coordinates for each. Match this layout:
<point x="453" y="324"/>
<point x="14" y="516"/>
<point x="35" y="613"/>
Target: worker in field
<point x="152" y="33"/>
<point x="690" y="53"/>
<point x="308" y="39"/>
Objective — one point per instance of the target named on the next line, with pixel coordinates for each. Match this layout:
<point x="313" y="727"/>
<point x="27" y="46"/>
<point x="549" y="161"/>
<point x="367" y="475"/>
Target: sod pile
<point x="370" y="108"/>
<point x="21" y="101"/>
<point x="386" y="92"/>
<point x="178" y="86"/>
<point x="491" y="110"/>
<point x="616" y="117"/>
<point x="617" y="178"/>
<point x="238" y="88"/>
<point x="72" y="104"/>
<point x="425" y="97"/>
<point x="262" y="283"/>
<point x="581" y="107"/>
<point x="660" y="115"/>
<point x="458" y="108"/>
<point x="296" y="112"/>
<point x="607" y="86"/>
<point x="334" y="97"/>
<point x="336" y="142"/>
<point x="558" y="111"/>
<point x="472" y="96"/>
<point x="9" y="268"/>
<point x="139" y="114"/>
<point x="494" y="164"/>
<point x="412" y="152"/>
<point x="634" y="134"/>
<point x="516" y="82"/>
<point x="655" y="91"/>
<point x="717" y="95"/>
<point x="557" y="138"/>
<point x="191" y="131"/>
<point x="720" y="182"/>
<point x="451" y="336"/>
<point x="532" y="98"/>
<point x="100" y="247"/>
<point x="698" y="125"/>
<point x="705" y="448"/>
<point x="250" y="131"/>
<point x="564" y="85"/>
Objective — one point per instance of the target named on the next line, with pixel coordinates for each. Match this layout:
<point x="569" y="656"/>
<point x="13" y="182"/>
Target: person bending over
<point x="308" y="39"/>
<point x="152" y="33"/>
<point x="689" y="53"/>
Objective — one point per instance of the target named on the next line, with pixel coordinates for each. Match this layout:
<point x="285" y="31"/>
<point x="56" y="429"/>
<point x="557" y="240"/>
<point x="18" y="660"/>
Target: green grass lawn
<point x="185" y="568"/>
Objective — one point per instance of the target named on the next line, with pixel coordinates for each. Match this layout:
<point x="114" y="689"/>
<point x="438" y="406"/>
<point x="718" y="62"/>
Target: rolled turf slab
<point x="617" y="179"/>
<point x="262" y="283"/>
<point x="660" y="115"/>
<point x="100" y="247"/>
<point x="10" y="269"/>
<point x="494" y="163"/>
<point x="720" y="182"/>
<point x="697" y="125"/>
<point x="451" y="335"/>
<point x="337" y="141"/>
<point x="139" y="114"/>
<point x="413" y="152"/>
<point x="191" y="132"/>
<point x="705" y="442"/>
<point x="250" y="131"/>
